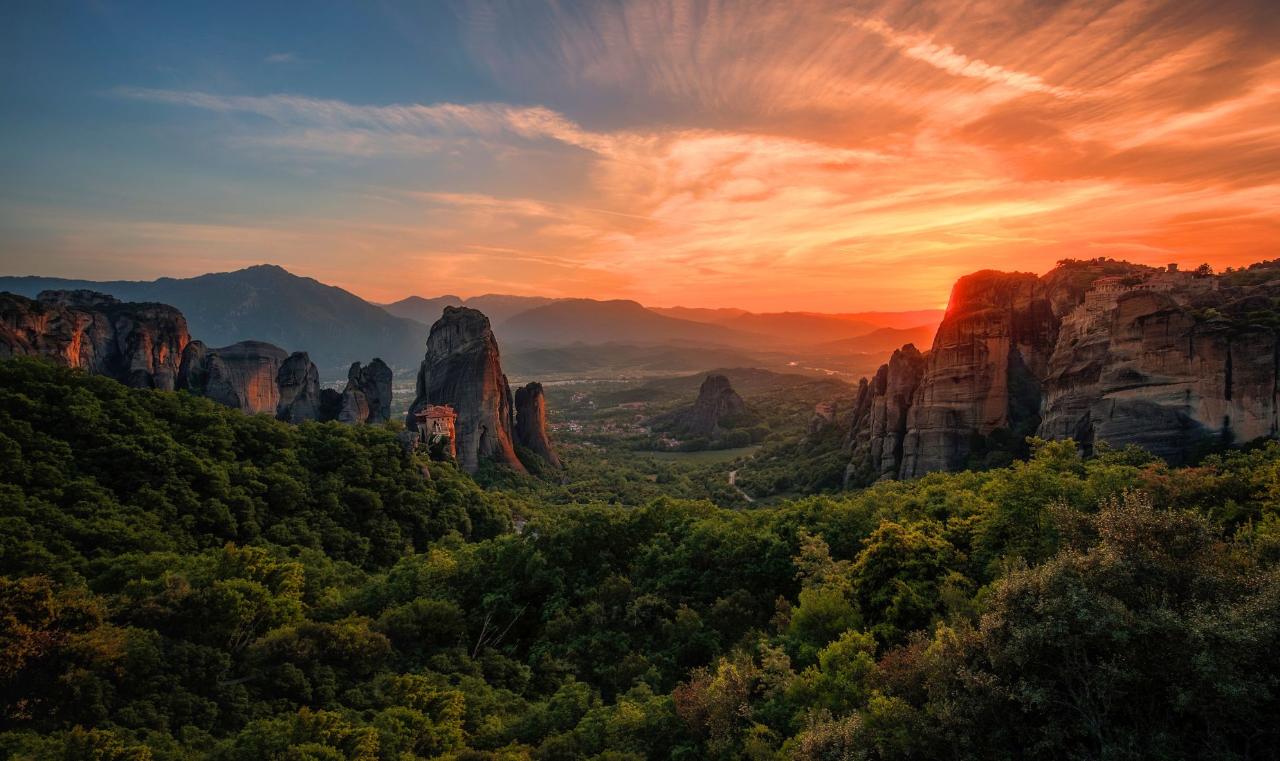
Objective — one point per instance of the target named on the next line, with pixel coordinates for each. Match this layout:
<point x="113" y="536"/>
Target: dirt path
<point x="733" y="481"/>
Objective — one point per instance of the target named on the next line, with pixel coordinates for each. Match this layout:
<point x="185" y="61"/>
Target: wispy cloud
<point x="946" y="58"/>
<point x="281" y="58"/>
<point x="792" y="157"/>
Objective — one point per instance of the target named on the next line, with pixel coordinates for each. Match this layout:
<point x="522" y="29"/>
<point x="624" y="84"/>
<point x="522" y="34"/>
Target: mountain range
<point x="268" y="303"/>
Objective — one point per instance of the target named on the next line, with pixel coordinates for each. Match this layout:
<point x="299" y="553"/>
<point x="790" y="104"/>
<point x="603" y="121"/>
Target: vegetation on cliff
<point x="181" y="581"/>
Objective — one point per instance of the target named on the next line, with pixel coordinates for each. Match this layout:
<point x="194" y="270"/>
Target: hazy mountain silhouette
<point x="884" y="340"/>
<point x="497" y="307"/>
<point x="589" y="321"/>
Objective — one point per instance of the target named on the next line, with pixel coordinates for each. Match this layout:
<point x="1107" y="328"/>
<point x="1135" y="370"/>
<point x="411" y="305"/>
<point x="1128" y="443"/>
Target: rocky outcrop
<point x="717" y="409"/>
<point x="463" y="369"/>
<point x="298" y="386"/>
<point x="242" y="375"/>
<point x="880" y="415"/>
<point x="367" y="397"/>
<point x="1098" y="351"/>
<point x="138" y="344"/>
<point x="531" y="423"/>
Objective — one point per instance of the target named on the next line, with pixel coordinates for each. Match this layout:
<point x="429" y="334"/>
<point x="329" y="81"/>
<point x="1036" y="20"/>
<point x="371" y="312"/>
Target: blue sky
<point x="800" y="155"/>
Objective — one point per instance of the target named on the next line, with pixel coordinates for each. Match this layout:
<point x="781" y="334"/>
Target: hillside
<point x="182" y="581"/>
<point x="267" y="303"/>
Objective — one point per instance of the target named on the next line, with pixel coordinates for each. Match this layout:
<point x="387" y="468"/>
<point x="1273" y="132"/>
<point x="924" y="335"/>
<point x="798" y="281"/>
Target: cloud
<point x="783" y="157"/>
<point x="946" y="58"/>
<point x="281" y="58"/>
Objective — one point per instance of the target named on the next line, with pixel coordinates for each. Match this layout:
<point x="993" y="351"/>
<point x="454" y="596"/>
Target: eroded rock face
<point x="531" y="422"/>
<point x="367" y="397"/>
<point x="242" y="375"/>
<point x="881" y="412"/>
<point x="137" y="344"/>
<point x="1098" y="351"/>
<point x="298" y="385"/>
<point x="463" y="369"/>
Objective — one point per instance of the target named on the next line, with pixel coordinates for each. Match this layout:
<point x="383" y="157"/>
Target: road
<point x="733" y="481"/>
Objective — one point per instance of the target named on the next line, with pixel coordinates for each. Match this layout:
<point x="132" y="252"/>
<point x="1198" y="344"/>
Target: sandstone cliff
<point x="462" y="368"/>
<point x="531" y="423"/>
<point x="367" y="397"/>
<point x="139" y="345"/>
<point x="1098" y="351"/>
<point x="242" y="375"/>
<point x="880" y="414"/>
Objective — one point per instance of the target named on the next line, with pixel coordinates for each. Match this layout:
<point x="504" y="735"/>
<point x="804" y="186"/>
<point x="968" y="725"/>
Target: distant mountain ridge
<point x="336" y="327"/>
<point x="496" y="306"/>
<point x="571" y="321"/>
<point x="266" y="303"/>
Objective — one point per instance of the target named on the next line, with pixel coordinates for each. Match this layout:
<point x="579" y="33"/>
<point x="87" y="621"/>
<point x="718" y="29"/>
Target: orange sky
<point x="813" y="156"/>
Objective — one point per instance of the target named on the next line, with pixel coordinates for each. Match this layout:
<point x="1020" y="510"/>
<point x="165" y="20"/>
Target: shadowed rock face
<point x="717" y="408"/>
<point x="716" y="402"/>
<point x="139" y="345"/>
<point x="1097" y="351"/>
<point x="367" y="397"/>
<point x="298" y="384"/>
<point x="462" y="368"/>
<point x="242" y="375"/>
<point x="330" y="404"/>
<point x="531" y="422"/>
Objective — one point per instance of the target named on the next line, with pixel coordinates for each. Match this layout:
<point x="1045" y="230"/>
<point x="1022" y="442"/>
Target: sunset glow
<point x="771" y="156"/>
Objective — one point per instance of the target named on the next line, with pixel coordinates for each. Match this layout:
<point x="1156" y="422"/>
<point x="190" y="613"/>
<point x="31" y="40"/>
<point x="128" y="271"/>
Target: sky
<point x="818" y="156"/>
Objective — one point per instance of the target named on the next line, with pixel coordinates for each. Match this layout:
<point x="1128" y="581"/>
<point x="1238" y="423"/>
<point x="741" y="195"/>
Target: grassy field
<point x="705" y="457"/>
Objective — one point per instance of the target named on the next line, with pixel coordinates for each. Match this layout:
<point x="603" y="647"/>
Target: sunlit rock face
<point x="994" y="340"/>
<point x="242" y="375"/>
<point x="1099" y="351"/>
<point x="138" y="344"/>
<point x="463" y="369"/>
<point x="531" y="423"/>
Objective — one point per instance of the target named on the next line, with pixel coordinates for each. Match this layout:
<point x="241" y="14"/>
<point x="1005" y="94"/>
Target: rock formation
<point x="367" y="397"/>
<point x="242" y="375"/>
<point x="138" y="344"/>
<point x="531" y="423"/>
<point x="298" y="386"/>
<point x="717" y="408"/>
<point x="462" y="368"/>
<point x="1098" y="351"/>
<point x="824" y="417"/>
<point x="881" y="411"/>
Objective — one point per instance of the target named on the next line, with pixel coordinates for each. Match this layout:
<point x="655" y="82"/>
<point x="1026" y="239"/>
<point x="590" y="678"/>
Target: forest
<point x="180" y="580"/>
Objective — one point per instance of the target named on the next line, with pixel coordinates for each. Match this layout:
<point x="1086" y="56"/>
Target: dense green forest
<point x="184" y="581"/>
